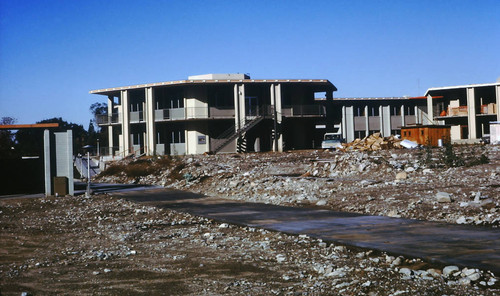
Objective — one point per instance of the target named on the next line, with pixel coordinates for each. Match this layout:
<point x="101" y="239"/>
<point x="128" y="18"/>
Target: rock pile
<point x="373" y="142"/>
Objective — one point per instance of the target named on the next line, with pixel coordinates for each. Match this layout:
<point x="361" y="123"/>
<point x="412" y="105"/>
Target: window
<point x="178" y="136"/>
<point x="359" y="111"/>
<point x="374" y="111"/>
<point x="395" y="110"/>
<point x="360" y="134"/>
<point x="410" y="110"/>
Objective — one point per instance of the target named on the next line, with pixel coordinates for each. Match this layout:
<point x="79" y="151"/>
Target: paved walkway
<point x="462" y="245"/>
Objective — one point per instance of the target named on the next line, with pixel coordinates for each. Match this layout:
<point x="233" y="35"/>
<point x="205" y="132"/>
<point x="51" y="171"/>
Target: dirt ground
<point x="108" y="246"/>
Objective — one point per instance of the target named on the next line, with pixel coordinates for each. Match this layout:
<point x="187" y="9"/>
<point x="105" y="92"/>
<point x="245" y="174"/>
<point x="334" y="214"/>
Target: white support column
<point x="497" y="94"/>
<point x="367" y="121"/>
<point x="430" y="112"/>
<point x="278" y="116"/>
<point x="418" y="115"/>
<point x="471" y="113"/>
<point x="69" y="151"/>
<point x="386" y="117"/>
<point x="349" y="123"/>
<point x="237" y="116"/>
<point x="344" y="123"/>
<point x="150" y="122"/>
<point x="125" y="123"/>
<point x="46" y="162"/>
<point x="403" y="115"/>
<point x="111" y="106"/>
<point x="242" y="105"/>
<point x="381" y="120"/>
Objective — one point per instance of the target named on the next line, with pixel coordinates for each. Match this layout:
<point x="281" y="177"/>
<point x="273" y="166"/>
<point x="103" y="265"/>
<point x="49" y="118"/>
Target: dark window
<point x="178" y="136"/>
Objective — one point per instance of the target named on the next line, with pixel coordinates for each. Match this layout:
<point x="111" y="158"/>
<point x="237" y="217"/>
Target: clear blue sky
<point x="52" y="53"/>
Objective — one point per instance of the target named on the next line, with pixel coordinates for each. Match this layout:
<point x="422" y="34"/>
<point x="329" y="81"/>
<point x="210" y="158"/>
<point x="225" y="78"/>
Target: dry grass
<point x="145" y="166"/>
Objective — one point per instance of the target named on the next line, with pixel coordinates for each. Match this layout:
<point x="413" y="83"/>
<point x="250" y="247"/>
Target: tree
<point x="95" y="132"/>
<point x="30" y="141"/>
<point x="6" y="138"/>
<point x="98" y="109"/>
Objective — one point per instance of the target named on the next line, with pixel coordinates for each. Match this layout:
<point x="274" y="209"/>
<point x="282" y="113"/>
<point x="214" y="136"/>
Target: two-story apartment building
<point x="213" y="113"/>
<point x="361" y="117"/>
<point x="469" y="109"/>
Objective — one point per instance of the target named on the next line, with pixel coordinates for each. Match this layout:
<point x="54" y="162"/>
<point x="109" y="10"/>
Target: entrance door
<point x="252" y="106"/>
<point x="465" y="131"/>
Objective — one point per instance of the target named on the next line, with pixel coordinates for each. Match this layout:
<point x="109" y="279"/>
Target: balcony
<point x="136" y="116"/>
<point x="304" y="111"/>
<point x="106" y="119"/>
<point x="460" y="111"/>
<point x="225" y="112"/>
<point x="193" y="113"/>
<point x="488" y="109"/>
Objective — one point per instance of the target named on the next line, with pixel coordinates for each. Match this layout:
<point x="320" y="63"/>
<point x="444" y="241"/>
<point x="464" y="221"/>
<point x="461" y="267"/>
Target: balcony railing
<point x="136" y="116"/>
<point x="304" y="110"/>
<point x="215" y="112"/>
<point x="451" y="112"/>
<point x="194" y="113"/>
<point x="108" y="119"/>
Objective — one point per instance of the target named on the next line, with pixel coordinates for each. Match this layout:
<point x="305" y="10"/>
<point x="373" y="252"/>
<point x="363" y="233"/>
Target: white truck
<point x="333" y="140"/>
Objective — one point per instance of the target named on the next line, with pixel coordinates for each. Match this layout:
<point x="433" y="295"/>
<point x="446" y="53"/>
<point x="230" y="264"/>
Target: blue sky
<point x="52" y="53"/>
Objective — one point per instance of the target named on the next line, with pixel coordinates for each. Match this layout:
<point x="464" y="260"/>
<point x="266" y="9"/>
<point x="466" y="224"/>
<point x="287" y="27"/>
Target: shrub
<point x="448" y="157"/>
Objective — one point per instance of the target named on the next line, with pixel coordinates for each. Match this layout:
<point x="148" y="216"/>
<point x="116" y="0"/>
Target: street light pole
<point x="88" y="174"/>
<point x="88" y="147"/>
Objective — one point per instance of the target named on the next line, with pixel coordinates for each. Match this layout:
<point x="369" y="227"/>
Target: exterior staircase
<point x="80" y="163"/>
<point x="231" y="134"/>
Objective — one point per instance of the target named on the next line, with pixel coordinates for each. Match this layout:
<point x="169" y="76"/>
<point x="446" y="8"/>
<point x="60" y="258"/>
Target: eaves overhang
<point x="324" y="82"/>
<point x="432" y="89"/>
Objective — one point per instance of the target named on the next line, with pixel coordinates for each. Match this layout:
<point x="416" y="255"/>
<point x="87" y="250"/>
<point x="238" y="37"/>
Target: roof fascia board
<point x="214" y="81"/>
<point x="460" y="86"/>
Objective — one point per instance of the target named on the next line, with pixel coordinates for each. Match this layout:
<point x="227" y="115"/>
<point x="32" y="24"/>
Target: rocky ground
<point x="107" y="246"/>
<point x="104" y="245"/>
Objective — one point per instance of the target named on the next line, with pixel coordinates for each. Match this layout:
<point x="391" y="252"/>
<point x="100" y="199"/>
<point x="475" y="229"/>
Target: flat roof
<point x="426" y="126"/>
<point x="371" y="99"/>
<point x="461" y="86"/>
<point x="211" y="81"/>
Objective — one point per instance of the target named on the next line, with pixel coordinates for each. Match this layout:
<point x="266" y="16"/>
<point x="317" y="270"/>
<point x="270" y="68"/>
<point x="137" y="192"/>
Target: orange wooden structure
<point x="426" y="134"/>
<point x="23" y="126"/>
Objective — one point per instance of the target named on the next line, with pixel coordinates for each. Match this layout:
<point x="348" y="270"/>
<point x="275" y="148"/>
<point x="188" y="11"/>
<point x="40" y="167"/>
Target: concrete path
<point x="465" y="246"/>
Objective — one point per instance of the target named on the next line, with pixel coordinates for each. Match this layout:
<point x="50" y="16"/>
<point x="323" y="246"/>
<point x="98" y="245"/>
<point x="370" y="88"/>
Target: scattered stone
<point x="449" y="270"/>
<point x="405" y="271"/>
<point x="443" y="197"/>
<point x="280" y="258"/>
<point x="396" y="262"/>
<point x="401" y="176"/>
<point x="321" y="202"/>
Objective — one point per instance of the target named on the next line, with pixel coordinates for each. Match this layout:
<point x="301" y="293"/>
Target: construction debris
<point x="373" y="142"/>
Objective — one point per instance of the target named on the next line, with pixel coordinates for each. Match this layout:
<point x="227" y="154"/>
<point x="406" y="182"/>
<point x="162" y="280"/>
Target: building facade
<point x="215" y="113"/>
<point x="361" y="117"/>
<point x="468" y="109"/>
